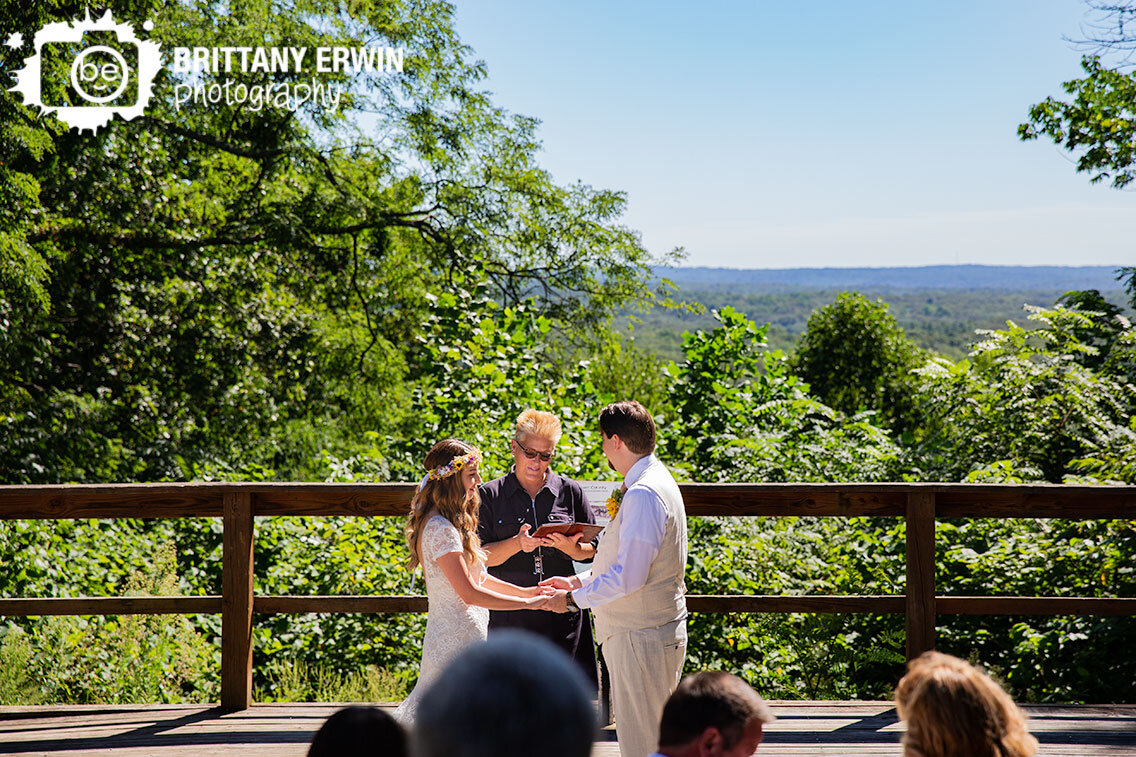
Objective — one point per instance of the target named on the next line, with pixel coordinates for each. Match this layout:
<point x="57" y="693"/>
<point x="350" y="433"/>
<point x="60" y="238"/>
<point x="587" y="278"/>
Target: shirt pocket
<point x="559" y="516"/>
<point x="508" y="526"/>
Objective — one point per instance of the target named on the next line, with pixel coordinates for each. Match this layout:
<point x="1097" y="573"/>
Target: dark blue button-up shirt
<point x="505" y="506"/>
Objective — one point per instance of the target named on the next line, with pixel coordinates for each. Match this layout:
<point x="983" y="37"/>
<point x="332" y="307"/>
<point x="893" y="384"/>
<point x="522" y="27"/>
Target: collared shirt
<point x="640" y="539"/>
<point x="505" y="506"/>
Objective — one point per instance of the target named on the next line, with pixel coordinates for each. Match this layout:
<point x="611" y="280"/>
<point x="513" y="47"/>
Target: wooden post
<point x="236" y="601"/>
<point x="920" y="592"/>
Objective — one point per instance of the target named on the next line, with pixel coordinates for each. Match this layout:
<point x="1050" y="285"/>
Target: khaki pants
<point x="645" y="667"/>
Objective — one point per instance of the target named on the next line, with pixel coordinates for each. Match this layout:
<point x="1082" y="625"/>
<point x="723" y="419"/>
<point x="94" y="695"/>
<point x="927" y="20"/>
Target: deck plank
<point x="817" y="729"/>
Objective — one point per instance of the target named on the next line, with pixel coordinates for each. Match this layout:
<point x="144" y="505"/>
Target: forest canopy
<point x="211" y="286"/>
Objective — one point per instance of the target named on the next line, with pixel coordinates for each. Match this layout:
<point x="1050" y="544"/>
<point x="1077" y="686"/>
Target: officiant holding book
<point x="512" y="508"/>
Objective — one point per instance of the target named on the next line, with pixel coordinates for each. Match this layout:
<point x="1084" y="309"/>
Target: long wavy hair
<point x="448" y="498"/>
<point x="953" y="709"/>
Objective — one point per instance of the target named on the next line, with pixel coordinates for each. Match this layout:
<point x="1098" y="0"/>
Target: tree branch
<point x="214" y="142"/>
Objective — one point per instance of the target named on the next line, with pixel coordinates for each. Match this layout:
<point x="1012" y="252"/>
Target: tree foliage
<point x="742" y="415"/>
<point x="214" y="283"/>
<point x="1023" y="406"/>
<point x="1098" y="123"/>
<point x="856" y="358"/>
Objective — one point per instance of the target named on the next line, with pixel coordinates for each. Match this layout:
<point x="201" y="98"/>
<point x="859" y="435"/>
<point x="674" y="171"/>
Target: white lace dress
<point x="451" y="624"/>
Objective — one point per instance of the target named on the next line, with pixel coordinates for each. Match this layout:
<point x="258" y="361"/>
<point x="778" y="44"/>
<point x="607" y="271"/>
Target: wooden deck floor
<point x="852" y="729"/>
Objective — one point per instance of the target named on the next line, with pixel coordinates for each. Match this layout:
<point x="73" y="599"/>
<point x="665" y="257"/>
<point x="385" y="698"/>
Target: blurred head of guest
<point x="359" y="731"/>
<point x="712" y="714"/>
<point x="514" y="695"/>
<point x="953" y="709"/>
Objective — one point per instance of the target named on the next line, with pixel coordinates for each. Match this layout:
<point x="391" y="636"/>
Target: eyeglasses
<point x="532" y="453"/>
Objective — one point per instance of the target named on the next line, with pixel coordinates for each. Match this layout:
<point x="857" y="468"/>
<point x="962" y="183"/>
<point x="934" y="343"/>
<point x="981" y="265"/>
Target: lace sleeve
<point x="439" y="538"/>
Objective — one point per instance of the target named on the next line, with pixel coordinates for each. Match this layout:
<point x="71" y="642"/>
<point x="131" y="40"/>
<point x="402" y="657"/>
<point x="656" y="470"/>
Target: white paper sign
<point x="597" y="493"/>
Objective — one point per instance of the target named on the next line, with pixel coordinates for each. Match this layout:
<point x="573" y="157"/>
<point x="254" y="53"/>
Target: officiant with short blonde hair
<point x="512" y="508"/>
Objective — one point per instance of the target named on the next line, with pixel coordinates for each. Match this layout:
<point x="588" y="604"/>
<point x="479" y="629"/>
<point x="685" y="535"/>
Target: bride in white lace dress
<point x="442" y="534"/>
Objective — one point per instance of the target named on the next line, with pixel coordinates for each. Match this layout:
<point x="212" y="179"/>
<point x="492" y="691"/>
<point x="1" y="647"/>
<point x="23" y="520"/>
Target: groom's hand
<point x="558" y="602"/>
<point x="562" y="583"/>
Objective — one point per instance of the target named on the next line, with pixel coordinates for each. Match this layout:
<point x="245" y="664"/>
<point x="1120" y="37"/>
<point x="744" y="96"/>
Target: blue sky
<point x="795" y="134"/>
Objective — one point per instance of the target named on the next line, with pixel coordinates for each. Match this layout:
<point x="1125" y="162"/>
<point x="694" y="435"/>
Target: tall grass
<point x="295" y="680"/>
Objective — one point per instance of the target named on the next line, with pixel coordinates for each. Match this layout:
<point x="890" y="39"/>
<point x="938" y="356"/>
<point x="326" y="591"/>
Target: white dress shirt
<point x="640" y="538"/>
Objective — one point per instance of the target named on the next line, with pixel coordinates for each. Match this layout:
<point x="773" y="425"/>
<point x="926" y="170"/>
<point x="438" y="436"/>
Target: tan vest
<point x="662" y="599"/>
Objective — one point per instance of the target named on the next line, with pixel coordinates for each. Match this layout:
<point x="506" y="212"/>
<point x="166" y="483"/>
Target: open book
<point x="590" y="530"/>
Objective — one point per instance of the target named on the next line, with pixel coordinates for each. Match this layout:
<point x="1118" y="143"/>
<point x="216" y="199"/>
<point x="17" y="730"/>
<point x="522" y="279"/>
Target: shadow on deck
<point x="856" y="729"/>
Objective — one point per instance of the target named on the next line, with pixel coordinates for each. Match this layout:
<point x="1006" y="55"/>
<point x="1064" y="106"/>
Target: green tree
<point x="480" y="365"/>
<point x="212" y="287"/>
<point x="741" y="415"/>
<point x="1023" y="406"/>
<point x="1126" y="275"/>
<point x="856" y="358"/>
<point x="1098" y="123"/>
<point x="1105" y="331"/>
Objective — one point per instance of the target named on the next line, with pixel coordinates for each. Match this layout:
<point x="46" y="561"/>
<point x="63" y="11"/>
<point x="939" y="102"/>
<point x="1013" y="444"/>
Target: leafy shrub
<point x="116" y="660"/>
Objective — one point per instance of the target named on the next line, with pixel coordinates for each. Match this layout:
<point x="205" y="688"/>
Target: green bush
<point x="114" y="660"/>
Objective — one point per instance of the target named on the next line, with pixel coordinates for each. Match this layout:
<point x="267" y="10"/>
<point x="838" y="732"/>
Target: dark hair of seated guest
<point x="359" y="731"/>
<point x="515" y="695"/>
<point x="713" y="710"/>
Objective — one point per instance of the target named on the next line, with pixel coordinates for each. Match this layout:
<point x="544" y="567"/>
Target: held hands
<point x="556" y="602"/>
<point x="541" y="597"/>
<point x="562" y="583"/>
<point x="556" y="590"/>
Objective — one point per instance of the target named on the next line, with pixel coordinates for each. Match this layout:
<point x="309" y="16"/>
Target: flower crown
<point x="454" y="465"/>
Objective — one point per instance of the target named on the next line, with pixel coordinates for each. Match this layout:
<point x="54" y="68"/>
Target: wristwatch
<point x="570" y="603"/>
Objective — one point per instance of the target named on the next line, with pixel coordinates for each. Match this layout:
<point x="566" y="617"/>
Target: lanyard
<point x="538" y="554"/>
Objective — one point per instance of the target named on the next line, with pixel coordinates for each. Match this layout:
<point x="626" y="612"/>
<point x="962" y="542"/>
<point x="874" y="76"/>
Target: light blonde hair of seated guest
<point x="446" y="497"/>
<point x="953" y="709"/>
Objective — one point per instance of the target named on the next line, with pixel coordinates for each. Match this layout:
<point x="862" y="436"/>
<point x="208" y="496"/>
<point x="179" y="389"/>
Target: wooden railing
<point x="236" y="504"/>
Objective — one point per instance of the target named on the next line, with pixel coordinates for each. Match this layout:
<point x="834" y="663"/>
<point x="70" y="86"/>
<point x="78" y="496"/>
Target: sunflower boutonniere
<point x="614" y="501"/>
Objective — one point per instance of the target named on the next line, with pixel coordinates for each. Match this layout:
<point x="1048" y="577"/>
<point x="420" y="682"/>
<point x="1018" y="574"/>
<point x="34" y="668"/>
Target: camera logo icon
<point x="87" y="71"/>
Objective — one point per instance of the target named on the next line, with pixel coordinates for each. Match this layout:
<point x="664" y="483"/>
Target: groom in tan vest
<point x="636" y="588"/>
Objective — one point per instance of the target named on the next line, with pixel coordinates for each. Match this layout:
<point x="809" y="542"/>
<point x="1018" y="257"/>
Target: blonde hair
<point x="953" y="709"/>
<point x="537" y="423"/>
<point x="446" y="497"/>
